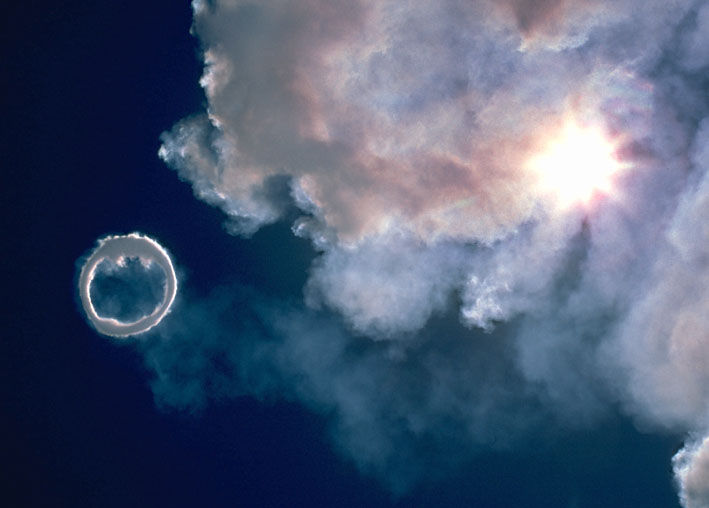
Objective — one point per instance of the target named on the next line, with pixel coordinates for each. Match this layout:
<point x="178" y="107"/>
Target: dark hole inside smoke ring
<point x="127" y="293"/>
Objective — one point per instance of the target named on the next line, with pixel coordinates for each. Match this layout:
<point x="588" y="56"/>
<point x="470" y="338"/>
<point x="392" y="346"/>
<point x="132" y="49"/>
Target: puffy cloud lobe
<point x="401" y="131"/>
<point x="510" y="276"/>
<point x="664" y="339"/>
<point x="691" y="467"/>
<point x="386" y="120"/>
<point x="388" y="286"/>
<point x="194" y="149"/>
<point x="382" y="114"/>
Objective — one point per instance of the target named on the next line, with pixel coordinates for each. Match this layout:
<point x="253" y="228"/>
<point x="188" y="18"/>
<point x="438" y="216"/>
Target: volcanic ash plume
<point x="538" y="169"/>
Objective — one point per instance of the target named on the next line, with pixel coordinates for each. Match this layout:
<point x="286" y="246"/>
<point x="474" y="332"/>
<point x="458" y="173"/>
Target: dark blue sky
<point x="87" y="88"/>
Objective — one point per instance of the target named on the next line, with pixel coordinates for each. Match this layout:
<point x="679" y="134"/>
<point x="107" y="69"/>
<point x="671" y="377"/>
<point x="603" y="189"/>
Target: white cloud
<point x="663" y="341"/>
<point x="403" y="132"/>
<point x="691" y="467"/>
<point x="388" y="285"/>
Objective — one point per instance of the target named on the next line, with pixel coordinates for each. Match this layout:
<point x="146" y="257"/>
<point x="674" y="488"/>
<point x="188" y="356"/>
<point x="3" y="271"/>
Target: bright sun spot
<point x="575" y="165"/>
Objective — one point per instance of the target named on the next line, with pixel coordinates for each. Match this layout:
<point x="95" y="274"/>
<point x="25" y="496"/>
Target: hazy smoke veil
<point x="403" y="132"/>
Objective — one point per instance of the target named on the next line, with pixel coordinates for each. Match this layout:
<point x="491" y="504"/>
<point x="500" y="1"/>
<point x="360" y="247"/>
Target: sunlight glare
<point x="578" y="164"/>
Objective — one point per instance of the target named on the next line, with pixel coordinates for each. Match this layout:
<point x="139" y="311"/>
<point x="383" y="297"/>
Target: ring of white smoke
<point x="118" y="249"/>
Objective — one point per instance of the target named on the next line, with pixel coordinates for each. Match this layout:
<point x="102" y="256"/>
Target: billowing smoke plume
<point x="403" y="132"/>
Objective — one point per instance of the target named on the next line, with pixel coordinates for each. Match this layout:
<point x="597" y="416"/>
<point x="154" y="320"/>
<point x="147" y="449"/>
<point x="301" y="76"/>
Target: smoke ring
<point x="117" y="249"/>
